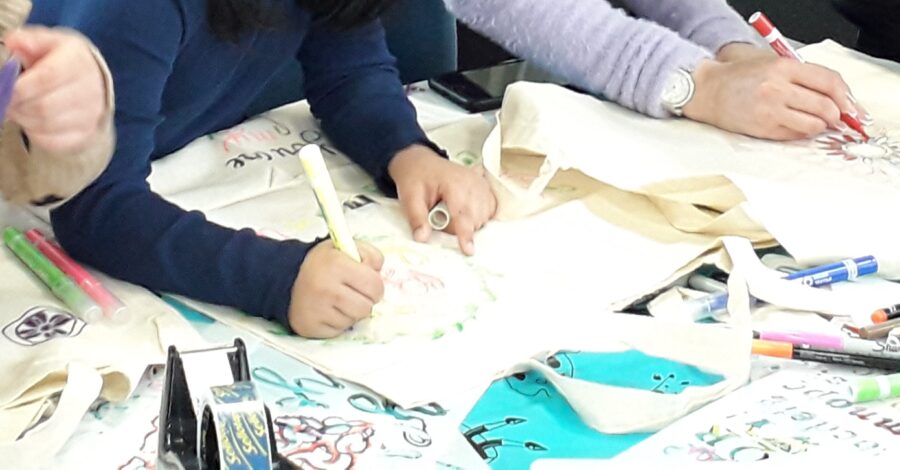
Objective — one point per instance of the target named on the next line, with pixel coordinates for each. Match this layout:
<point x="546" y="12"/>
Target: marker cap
<point x="439" y="217"/>
<point x="762" y="23"/>
<point x="79" y="302"/>
<point x="879" y="316"/>
<point x="875" y="388"/>
<point x="773" y="349"/>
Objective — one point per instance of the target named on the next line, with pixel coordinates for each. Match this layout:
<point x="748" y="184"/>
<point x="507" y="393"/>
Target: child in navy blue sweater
<point x="173" y="62"/>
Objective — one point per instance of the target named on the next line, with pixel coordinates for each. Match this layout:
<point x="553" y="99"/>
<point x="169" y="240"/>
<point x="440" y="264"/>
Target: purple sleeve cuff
<point x="721" y="31"/>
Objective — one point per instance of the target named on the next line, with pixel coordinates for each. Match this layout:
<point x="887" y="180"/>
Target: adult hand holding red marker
<point x="752" y="91"/>
<point x="783" y="48"/>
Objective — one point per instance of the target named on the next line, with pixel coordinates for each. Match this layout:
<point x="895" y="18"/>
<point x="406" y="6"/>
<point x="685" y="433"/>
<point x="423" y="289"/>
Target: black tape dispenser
<point x="211" y="416"/>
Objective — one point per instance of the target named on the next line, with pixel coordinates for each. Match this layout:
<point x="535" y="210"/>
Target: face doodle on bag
<point x="41" y="324"/>
<point x="534" y="384"/>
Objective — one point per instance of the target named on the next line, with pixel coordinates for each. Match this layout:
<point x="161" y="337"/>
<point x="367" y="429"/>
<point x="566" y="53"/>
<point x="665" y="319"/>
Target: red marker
<point x="110" y="304"/>
<point x="779" y="44"/>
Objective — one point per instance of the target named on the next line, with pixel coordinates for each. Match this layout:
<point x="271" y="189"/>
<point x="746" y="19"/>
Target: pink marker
<point x="111" y="305"/>
<point x="815" y="340"/>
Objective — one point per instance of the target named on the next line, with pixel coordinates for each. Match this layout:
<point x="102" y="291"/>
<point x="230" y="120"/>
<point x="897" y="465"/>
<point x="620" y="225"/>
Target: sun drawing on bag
<point x="880" y="155"/>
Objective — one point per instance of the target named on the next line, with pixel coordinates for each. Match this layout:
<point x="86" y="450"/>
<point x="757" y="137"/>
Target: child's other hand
<point x="60" y="97"/>
<point x="424" y="178"/>
<point x="333" y="292"/>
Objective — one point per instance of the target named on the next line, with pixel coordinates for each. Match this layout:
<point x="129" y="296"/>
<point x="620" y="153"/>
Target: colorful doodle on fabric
<point x="430" y="291"/>
<point x="146" y="459"/>
<point x="523" y="417"/>
<point x="333" y="443"/>
<point x="415" y="431"/>
<point x="41" y="324"/>
<point x="300" y="388"/>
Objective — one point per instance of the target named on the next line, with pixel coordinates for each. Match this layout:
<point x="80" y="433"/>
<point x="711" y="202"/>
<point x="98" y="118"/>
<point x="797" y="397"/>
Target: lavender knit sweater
<point x="601" y="49"/>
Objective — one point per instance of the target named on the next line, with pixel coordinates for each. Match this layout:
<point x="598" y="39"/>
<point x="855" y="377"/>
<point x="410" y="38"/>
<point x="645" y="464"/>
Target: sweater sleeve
<point x="120" y="226"/>
<point x="589" y="43"/>
<point x="709" y="23"/>
<point x="353" y="87"/>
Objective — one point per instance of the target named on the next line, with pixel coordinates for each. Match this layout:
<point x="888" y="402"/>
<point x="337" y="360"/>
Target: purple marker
<point x="8" y="75"/>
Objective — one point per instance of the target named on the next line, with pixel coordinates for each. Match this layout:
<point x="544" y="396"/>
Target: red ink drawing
<point x="333" y="443"/>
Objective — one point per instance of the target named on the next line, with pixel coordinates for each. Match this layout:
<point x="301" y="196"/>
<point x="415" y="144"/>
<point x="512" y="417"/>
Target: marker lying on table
<point x="827" y="342"/>
<point x="885" y="314"/>
<point x="847" y="270"/>
<point x="779" y="44"/>
<point x="875" y="388"/>
<point x="788" y="351"/>
<point x="330" y="205"/>
<point x="706" y="284"/>
<point x="61" y="286"/>
<point x="111" y="305"/>
<point x="879" y="330"/>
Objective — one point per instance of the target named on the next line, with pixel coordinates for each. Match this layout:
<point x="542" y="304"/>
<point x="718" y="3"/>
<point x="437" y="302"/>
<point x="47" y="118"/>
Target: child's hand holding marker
<point x="333" y="292"/>
<point x="424" y="179"/>
<point x="339" y="281"/>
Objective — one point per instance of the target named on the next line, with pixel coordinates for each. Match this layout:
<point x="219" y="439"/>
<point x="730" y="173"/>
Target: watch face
<point x="678" y="89"/>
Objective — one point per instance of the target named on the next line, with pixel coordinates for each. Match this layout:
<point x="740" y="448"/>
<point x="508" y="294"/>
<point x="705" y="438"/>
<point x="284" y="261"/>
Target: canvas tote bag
<point x="710" y="181"/>
<point x="55" y="365"/>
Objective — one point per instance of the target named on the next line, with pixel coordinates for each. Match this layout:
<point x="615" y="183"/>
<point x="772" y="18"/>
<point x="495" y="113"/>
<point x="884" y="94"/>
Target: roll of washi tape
<point x="234" y="430"/>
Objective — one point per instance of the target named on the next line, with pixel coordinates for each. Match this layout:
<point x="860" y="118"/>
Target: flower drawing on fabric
<point x="880" y="155"/>
<point x="430" y="292"/>
<point x="41" y="324"/>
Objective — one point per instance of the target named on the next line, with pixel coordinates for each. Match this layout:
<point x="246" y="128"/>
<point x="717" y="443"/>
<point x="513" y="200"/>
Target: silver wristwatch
<point x="678" y="91"/>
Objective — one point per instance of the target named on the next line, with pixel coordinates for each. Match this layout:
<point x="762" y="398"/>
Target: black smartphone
<point x="482" y="89"/>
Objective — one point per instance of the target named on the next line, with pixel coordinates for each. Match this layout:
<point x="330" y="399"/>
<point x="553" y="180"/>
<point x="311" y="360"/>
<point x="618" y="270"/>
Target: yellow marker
<point x="323" y="187"/>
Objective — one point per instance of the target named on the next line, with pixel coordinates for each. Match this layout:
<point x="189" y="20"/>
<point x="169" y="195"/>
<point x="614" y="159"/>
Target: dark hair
<point x="230" y="19"/>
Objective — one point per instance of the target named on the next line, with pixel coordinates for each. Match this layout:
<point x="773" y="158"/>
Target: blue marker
<point x="846" y="270"/>
<point x="707" y="307"/>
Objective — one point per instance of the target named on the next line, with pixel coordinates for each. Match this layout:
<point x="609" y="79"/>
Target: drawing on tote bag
<point x="879" y="156"/>
<point x="430" y="292"/>
<point x="41" y="324"/>
<point x="332" y="443"/>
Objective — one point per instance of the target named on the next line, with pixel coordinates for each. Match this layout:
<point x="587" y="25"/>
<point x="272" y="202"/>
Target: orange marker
<point x="885" y="314"/>
<point x="789" y="351"/>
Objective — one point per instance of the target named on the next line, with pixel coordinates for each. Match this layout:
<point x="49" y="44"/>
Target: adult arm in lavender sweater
<point x="628" y="60"/>
<point x="708" y="23"/>
<point x="600" y="48"/>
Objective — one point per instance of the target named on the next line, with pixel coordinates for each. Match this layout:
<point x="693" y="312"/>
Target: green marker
<point x="875" y="388"/>
<point x="61" y="286"/>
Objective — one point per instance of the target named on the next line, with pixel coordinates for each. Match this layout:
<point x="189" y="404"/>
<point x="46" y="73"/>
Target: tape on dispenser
<point x="211" y="416"/>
